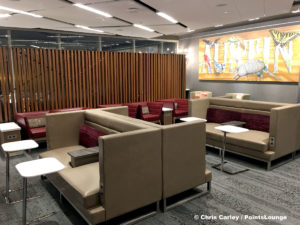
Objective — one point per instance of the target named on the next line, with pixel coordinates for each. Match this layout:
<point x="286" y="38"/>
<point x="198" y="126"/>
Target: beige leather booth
<point x="282" y="138"/>
<point x="183" y="156"/>
<point x="129" y="172"/>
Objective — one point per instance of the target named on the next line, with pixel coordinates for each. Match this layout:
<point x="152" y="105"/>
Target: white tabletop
<point x="39" y="167"/>
<point x="231" y="129"/>
<point x="165" y="109"/>
<point x="4" y="127"/>
<point x="189" y="119"/>
<point x="19" y="145"/>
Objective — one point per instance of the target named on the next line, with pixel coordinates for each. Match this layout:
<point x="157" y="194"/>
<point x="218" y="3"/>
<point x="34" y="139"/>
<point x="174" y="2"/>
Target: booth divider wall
<point x="44" y="79"/>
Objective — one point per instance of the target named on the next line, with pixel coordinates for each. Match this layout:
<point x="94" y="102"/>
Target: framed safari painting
<point x="269" y="55"/>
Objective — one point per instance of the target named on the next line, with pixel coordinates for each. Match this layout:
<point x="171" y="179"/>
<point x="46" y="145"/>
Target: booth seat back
<point x="129" y="159"/>
<point x="20" y="117"/>
<point x="66" y="109"/>
<point x="190" y="154"/>
<point x="109" y="105"/>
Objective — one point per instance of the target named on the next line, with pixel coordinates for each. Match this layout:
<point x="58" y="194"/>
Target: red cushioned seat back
<point x="222" y="116"/>
<point x="256" y="121"/>
<point x="182" y="104"/>
<point x="155" y="108"/>
<point x="132" y="109"/>
<point x="88" y="136"/>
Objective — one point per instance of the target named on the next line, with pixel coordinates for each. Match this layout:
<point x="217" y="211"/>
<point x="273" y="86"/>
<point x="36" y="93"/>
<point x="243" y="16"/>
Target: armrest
<point x="84" y="156"/>
<point x="62" y="129"/>
<point x="285" y="129"/>
<point x="130" y="170"/>
<point x="20" y="120"/>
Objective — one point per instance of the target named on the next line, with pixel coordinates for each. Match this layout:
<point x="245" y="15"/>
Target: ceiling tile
<point x="131" y="31"/>
<point x="130" y="11"/>
<point x="31" y="5"/>
<point x="75" y="15"/>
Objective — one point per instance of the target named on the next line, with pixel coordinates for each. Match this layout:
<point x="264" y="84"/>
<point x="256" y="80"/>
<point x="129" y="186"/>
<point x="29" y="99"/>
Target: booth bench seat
<point x="273" y="127"/>
<point x="96" y="190"/>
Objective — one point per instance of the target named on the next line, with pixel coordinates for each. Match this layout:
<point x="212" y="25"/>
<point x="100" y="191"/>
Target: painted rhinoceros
<point x="251" y="67"/>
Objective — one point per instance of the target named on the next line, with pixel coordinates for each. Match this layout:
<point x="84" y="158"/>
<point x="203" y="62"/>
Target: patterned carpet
<point x="252" y="193"/>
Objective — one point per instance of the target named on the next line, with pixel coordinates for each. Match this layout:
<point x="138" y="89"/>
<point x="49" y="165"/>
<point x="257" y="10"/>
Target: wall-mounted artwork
<point x="269" y="55"/>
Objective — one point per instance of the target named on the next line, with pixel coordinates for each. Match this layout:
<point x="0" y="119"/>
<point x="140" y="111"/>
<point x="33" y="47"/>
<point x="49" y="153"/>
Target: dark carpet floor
<point x="252" y="193"/>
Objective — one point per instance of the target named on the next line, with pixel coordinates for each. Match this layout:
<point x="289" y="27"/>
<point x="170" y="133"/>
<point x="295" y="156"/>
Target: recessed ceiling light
<point x="87" y="28"/>
<point x="219" y="25"/>
<point x="92" y="10"/>
<point x="296" y="11"/>
<point x="143" y="27"/>
<point x="4" y="15"/>
<point x="190" y="30"/>
<point x="252" y="19"/>
<point x="167" y="17"/>
<point x="20" y="12"/>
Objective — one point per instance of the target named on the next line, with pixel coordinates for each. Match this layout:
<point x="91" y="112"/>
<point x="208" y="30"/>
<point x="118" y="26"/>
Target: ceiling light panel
<point x="4" y="15"/>
<point x="167" y="17"/>
<point x="131" y="11"/>
<point x="88" y="28"/>
<point x="143" y="27"/>
<point x="76" y="15"/>
<point x="23" y="21"/>
<point x="131" y="32"/>
<point x="93" y="10"/>
<point x="13" y="10"/>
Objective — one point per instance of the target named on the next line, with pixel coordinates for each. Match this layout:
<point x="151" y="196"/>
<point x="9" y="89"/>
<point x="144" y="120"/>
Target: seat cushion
<point x="179" y="112"/>
<point x="151" y="117"/>
<point x="85" y="180"/>
<point x="38" y="132"/>
<point x="252" y="139"/>
<point x="61" y="154"/>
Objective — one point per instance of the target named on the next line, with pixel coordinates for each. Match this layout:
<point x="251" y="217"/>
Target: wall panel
<point x="43" y="79"/>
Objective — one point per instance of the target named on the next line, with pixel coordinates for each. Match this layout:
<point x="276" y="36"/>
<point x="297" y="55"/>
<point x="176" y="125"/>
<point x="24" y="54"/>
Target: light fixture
<point x="252" y="19"/>
<point x="296" y="11"/>
<point x="219" y="25"/>
<point x="4" y="15"/>
<point x="92" y="10"/>
<point x="20" y="12"/>
<point x="143" y="27"/>
<point x="87" y="28"/>
<point x="190" y="30"/>
<point x="167" y="17"/>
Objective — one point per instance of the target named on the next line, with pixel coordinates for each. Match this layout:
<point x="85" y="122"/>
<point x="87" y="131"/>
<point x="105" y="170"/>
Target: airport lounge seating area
<point x="145" y="112"/>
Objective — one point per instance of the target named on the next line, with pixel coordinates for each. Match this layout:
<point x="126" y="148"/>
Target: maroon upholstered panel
<point x="182" y="104"/>
<point x="151" y="117"/>
<point x="256" y="121"/>
<point x="39" y="132"/>
<point x="179" y="113"/>
<point x="222" y="116"/>
<point x="88" y="136"/>
<point x="155" y="108"/>
<point x="20" y="117"/>
<point x="132" y="109"/>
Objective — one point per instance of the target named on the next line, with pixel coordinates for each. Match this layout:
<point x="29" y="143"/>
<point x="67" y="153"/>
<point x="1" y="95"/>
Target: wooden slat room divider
<point x="43" y="79"/>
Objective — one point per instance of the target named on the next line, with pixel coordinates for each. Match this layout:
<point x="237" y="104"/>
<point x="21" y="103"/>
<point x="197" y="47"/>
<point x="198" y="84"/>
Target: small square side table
<point x="36" y="168"/>
<point x="15" y="146"/>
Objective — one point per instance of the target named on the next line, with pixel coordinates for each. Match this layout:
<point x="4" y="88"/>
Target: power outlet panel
<point x="272" y="141"/>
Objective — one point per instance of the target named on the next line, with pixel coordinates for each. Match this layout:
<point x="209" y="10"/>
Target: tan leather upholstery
<point x="284" y="127"/>
<point x="85" y="180"/>
<point x="61" y="154"/>
<point x="238" y="96"/>
<point x="208" y="176"/>
<point x="128" y="175"/>
<point x="253" y="139"/>
<point x="183" y="155"/>
<point x="121" y="110"/>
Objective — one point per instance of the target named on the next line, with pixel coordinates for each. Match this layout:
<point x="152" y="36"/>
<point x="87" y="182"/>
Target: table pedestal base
<point x="230" y="169"/>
